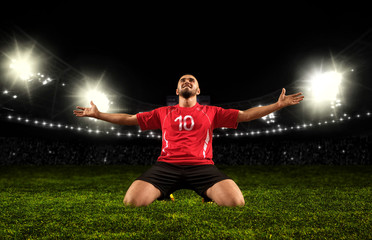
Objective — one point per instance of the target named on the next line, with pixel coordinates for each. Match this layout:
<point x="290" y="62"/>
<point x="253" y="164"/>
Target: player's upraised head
<point x="188" y="86"/>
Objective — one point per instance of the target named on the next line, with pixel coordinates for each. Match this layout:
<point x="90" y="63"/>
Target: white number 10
<point x="184" y="122"/>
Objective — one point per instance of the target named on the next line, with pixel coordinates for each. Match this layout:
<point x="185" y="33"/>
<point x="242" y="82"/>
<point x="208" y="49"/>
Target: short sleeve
<point x="149" y="120"/>
<point x="226" y="118"/>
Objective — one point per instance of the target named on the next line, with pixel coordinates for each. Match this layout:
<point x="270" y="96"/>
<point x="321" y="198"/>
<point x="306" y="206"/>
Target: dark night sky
<point x="236" y="56"/>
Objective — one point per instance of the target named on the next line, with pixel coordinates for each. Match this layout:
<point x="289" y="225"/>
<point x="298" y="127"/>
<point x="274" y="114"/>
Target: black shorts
<point x="170" y="177"/>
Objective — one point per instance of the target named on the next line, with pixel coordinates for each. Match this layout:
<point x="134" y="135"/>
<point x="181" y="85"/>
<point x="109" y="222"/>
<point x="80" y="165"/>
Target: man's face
<point x="188" y="86"/>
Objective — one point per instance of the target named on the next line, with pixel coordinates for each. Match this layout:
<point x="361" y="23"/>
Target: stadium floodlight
<point x="22" y="68"/>
<point x="23" y="63"/>
<point x="99" y="99"/>
<point x="325" y="86"/>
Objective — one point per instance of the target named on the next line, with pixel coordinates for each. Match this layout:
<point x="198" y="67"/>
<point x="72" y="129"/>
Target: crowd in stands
<point x="351" y="150"/>
<point x="327" y="151"/>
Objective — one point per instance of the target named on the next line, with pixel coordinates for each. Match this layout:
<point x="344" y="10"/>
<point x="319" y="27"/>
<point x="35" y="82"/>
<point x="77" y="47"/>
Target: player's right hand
<point x="87" y="112"/>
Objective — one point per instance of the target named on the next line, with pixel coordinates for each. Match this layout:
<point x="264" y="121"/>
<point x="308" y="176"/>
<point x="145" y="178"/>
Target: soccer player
<point x="185" y="161"/>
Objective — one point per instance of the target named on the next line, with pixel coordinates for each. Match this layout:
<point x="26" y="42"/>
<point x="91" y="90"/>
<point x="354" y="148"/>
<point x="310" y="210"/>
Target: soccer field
<point x="282" y="202"/>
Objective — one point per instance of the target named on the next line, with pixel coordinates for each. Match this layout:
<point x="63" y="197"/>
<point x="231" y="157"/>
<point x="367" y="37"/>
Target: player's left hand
<point x="289" y="100"/>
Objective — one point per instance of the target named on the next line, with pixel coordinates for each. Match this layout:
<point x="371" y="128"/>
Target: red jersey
<point x="187" y="132"/>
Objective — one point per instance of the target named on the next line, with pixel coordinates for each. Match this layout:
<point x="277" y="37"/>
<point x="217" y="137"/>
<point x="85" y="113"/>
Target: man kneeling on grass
<point x="186" y="161"/>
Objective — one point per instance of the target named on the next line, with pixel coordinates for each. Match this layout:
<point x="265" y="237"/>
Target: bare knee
<point x="141" y="194"/>
<point x="135" y="202"/>
<point x="226" y="193"/>
<point x="234" y="201"/>
<point x="237" y="202"/>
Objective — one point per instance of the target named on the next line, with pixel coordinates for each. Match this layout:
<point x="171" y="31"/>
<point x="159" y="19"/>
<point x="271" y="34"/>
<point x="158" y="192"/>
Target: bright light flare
<point x="22" y="68"/>
<point x="99" y="99"/>
<point x="22" y="63"/>
<point x="325" y="86"/>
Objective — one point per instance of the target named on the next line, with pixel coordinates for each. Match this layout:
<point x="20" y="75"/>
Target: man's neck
<point x="187" y="102"/>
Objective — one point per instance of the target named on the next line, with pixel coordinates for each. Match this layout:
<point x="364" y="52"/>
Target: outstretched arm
<point x="258" y="112"/>
<point x="117" y="118"/>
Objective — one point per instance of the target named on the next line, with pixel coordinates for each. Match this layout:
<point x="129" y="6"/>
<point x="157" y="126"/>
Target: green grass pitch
<point x="282" y="202"/>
